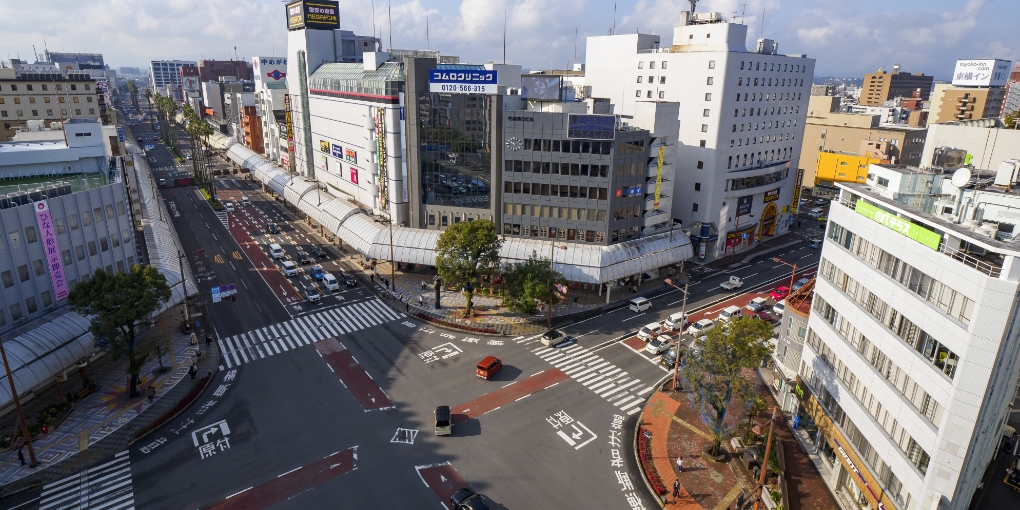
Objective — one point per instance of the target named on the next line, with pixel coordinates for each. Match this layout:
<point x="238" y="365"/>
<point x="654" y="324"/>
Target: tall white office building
<point x="741" y="120"/>
<point x="167" y="72"/>
<point x="912" y="347"/>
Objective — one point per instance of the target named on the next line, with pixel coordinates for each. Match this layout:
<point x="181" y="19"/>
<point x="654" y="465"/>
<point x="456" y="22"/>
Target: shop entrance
<point x="768" y="221"/>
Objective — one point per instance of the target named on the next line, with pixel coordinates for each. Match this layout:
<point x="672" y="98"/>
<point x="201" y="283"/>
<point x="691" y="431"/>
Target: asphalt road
<point x="321" y="403"/>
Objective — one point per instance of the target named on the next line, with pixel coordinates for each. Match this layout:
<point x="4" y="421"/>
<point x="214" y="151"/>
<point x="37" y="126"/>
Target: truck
<point x="733" y="283"/>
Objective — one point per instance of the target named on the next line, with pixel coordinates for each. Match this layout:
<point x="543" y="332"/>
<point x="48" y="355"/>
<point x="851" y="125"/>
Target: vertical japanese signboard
<point x="382" y="174"/>
<point x="658" y="177"/>
<point x="290" y="132"/>
<point x="49" y="239"/>
<point x="796" y="191"/>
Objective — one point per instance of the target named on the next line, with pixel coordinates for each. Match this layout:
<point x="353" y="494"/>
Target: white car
<point x="659" y="345"/>
<point x="289" y="268"/>
<point x="650" y="331"/>
<point x="229" y="206"/>
<point x="700" y="328"/>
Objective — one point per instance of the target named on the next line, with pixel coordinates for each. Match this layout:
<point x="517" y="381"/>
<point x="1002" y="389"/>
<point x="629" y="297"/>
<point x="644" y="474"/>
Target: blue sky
<point x="847" y="37"/>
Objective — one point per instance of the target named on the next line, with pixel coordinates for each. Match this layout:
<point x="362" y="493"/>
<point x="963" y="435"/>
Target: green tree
<point x="529" y="284"/>
<point x="465" y="253"/>
<point x="721" y="376"/>
<point x="133" y="91"/>
<point x="1012" y="120"/>
<point x="117" y="307"/>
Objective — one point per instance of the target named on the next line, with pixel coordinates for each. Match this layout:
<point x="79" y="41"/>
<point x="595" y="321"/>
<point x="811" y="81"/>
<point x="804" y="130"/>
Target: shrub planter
<point x="706" y="451"/>
<point x="645" y="452"/>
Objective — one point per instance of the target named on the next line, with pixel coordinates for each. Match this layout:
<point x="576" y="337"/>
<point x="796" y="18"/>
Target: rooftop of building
<point x="800" y="299"/>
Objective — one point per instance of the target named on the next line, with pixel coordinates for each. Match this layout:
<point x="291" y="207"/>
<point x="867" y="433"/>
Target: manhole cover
<point x="689" y="444"/>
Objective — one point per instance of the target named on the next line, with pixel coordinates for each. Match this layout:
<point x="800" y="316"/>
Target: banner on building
<point x="460" y="81"/>
<point x="771" y="195"/>
<point x="658" y="177"/>
<point x="354" y="175"/>
<point x="382" y="174"/>
<point x="269" y="69"/>
<point x="290" y="131"/>
<point x="744" y="205"/>
<point x="338" y="152"/>
<point x="796" y="191"/>
<point x="313" y="15"/>
<point x="49" y="239"/>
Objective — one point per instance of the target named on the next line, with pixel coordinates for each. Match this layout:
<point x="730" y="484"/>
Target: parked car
<point x="763" y="315"/>
<point x="821" y="201"/>
<point x="698" y="329"/>
<point x="676" y="321"/>
<point x="659" y="345"/>
<point x="467" y="499"/>
<point x="779" y="293"/>
<point x="815" y="244"/>
<point x="779" y="308"/>
<point x="552" y="338"/>
<point x="444" y="421"/>
<point x="729" y="313"/>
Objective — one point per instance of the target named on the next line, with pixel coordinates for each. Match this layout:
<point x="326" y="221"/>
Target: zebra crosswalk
<point x="602" y="377"/>
<point x="104" y="487"/>
<point x="222" y="215"/>
<point x="304" y="330"/>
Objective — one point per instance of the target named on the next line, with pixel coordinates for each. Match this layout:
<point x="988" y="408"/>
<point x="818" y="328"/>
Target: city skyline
<point x="921" y="36"/>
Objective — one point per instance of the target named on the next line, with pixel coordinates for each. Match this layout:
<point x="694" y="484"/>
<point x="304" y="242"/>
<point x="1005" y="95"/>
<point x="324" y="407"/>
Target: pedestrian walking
<point x="421" y="301"/>
<point x="679" y="464"/>
<point x="676" y="490"/>
<point x="407" y="307"/>
<point x="423" y="285"/>
<point x="372" y="277"/>
<point x="21" y="457"/>
<point x="152" y="393"/>
<point x="575" y="298"/>
<point x="192" y="371"/>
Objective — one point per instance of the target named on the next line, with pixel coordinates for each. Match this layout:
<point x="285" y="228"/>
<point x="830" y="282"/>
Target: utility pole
<point x="683" y="317"/>
<point x="17" y="405"/>
<point x="552" y="255"/>
<point x="187" y="308"/>
<point x="765" y="462"/>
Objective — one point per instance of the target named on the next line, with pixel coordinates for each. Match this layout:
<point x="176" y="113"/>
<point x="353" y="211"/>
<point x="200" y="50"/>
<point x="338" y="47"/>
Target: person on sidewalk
<point x="679" y="464"/>
<point x="676" y="490"/>
<point x="421" y="301"/>
<point x="423" y="285"/>
<point x="152" y="393"/>
<point x="21" y="457"/>
<point x="407" y="307"/>
<point x="575" y="299"/>
<point x="192" y="371"/>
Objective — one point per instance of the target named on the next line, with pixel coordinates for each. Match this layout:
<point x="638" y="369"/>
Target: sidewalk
<point x="678" y="430"/>
<point x="98" y="414"/>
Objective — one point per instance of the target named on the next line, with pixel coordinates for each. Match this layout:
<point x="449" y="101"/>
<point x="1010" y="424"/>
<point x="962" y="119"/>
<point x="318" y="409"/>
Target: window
<point x="74" y="87"/>
<point x="694" y="207"/>
<point x="89" y="99"/>
<point x="662" y="80"/>
<point x="15" y="312"/>
<point x="23" y="273"/>
<point x="30" y="304"/>
<point x="663" y="66"/>
<point x="14" y="238"/>
<point x="711" y="64"/>
<point x="66" y="255"/>
<point x="115" y="238"/>
<point x="702" y="143"/>
<point x="47" y="301"/>
<point x="662" y="94"/>
<point x="704" y="128"/>
<point x="79" y="253"/>
<point x="640" y="65"/>
<point x="98" y="214"/>
<point x="72" y="220"/>
<point x="31" y="100"/>
<point x="706" y="112"/>
<point x="92" y="249"/>
<point x="8" y="278"/>
<point x="75" y="98"/>
<point x="649" y="94"/>
<point x="640" y="79"/>
<point x="109" y="211"/>
<point x="708" y="96"/>
<point x="637" y="94"/>
<point x="651" y="65"/>
<point x="444" y="220"/>
<point x="709" y="81"/>
<point x="701" y="164"/>
<point x="30" y="235"/>
<point x="697" y="186"/>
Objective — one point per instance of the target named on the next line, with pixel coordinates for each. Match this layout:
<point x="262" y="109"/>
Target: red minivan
<point x="488" y="367"/>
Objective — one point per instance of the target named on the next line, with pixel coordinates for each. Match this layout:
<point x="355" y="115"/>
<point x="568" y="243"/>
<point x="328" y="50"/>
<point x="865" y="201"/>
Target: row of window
<point x="662" y="94"/>
<point x="651" y="79"/>
<point x="45" y="297"/>
<point x="920" y="399"/>
<point x="45" y="86"/>
<point x="951" y="302"/>
<point x="569" y="146"/>
<point x="554" y="190"/>
<point x="755" y="126"/>
<point x="893" y="485"/>
<point x="563" y="234"/>
<point x="555" y="168"/>
<point x="936" y="353"/>
<point x="49" y="113"/>
<point x="39" y="267"/>
<point x="784" y="68"/>
<point x="762" y="157"/>
<point x="914" y="453"/>
<point x="767" y="82"/>
<point x="46" y="99"/>
<point x="563" y="213"/>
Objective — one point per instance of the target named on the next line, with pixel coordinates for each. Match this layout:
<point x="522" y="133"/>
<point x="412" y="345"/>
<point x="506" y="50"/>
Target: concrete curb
<point x="637" y="457"/>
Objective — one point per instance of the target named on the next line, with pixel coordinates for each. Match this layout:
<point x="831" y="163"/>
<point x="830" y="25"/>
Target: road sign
<point x="215" y="294"/>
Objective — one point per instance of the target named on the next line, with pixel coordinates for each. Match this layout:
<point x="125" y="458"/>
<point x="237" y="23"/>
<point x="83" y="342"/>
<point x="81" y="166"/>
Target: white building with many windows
<point x="741" y="120"/>
<point x="163" y="73"/>
<point x="910" y="361"/>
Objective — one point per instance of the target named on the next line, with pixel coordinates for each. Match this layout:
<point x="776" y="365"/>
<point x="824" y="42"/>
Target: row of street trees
<point x="199" y="131"/>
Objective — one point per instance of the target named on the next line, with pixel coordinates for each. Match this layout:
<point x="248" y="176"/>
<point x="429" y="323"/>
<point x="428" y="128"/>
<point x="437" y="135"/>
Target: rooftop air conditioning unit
<point x="948" y="158"/>
<point x="1008" y="173"/>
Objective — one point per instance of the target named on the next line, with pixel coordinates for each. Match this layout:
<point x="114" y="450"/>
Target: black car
<point x="302" y="258"/>
<point x="467" y="499"/>
<point x="319" y="252"/>
<point x="348" y="280"/>
<point x="272" y="228"/>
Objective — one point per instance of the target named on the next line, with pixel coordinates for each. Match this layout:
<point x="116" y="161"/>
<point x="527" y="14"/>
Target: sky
<point x="847" y="37"/>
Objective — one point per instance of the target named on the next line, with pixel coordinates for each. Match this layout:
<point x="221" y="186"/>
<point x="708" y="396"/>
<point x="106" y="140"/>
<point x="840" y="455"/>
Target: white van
<point x="677" y="321"/>
<point x="277" y="251"/>
<point x="650" y="331"/>
<point x="779" y="308"/>
<point x="729" y="313"/>
<point x="289" y="268"/>
<point x="816" y="213"/>
<point x="640" y="304"/>
<point x="245" y="201"/>
<point x="229" y="206"/>
<point x="698" y="329"/>
<point x="330" y="282"/>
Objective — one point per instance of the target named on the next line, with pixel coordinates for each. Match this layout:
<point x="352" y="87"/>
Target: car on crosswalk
<point x="553" y="337"/>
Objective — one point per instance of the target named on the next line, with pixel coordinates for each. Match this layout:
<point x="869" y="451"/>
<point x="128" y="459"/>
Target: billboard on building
<point x="981" y="73"/>
<point x="313" y="15"/>
<point x="463" y="81"/>
<point x="49" y="239"/>
<point x="771" y="195"/>
<point x="744" y="205"/>
<point x="591" y="127"/>
<point x="269" y="69"/>
<point x="541" y="87"/>
<point x="191" y="83"/>
<point x="658" y="177"/>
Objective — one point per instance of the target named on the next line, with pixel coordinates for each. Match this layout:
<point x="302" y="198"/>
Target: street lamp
<point x="683" y="316"/>
<point x="552" y="255"/>
<point x="17" y="404"/>
<point x="792" y="273"/>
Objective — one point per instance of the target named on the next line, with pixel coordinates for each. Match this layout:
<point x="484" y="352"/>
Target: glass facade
<point x="455" y="150"/>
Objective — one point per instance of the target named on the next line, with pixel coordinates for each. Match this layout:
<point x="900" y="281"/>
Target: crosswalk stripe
<point x="224" y="351"/>
<point x="315" y="319"/>
<point x="602" y="385"/>
<point x="264" y="342"/>
<point x="295" y="332"/>
<point x="310" y="330"/>
<point x="240" y="349"/>
<point x="573" y="348"/>
<point x="591" y="370"/>
<point x="559" y="356"/>
<point x="386" y="311"/>
<point x="367" y="315"/>
<point x="275" y="347"/>
<point x="106" y="486"/>
<point x="635" y="410"/>
<point x="257" y="344"/>
<point x="634" y="403"/>
<point x="247" y="346"/>
<point x="288" y="335"/>
<point x="353" y="318"/>
<point x="577" y="362"/>
<point x="646" y="390"/>
<point x="233" y="351"/>
<point x="622" y="387"/>
<point x="628" y="397"/>
<point x="339" y="322"/>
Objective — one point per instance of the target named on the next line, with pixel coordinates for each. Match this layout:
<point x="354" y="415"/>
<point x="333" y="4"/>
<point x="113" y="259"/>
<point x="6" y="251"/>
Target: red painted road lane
<point x="279" y="283"/>
<point x="506" y="395"/>
<point x="365" y="390"/>
<point x="443" y="480"/>
<point x="292" y="483"/>
<point x="635" y="343"/>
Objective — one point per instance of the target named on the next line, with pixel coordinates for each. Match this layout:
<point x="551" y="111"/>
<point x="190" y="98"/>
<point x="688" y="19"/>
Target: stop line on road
<point x="284" y="336"/>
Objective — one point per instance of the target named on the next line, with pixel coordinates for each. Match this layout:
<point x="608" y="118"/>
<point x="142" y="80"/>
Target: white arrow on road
<point x="284" y="290"/>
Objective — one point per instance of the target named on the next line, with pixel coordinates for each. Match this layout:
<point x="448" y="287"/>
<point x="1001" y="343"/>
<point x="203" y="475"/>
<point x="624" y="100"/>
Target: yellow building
<point x="843" y="167"/>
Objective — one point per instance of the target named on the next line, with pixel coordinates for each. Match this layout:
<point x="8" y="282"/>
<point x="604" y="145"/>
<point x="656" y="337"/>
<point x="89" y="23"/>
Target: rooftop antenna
<point x="743" y="10"/>
<point x="235" y="53"/>
<point x="575" y="46"/>
<point x="34" y="54"/>
<point x="373" y="18"/>
<point x="694" y="4"/>
<point x="504" y="36"/>
<point x="614" y="19"/>
<point x="762" y="29"/>
<point x="427" y="46"/>
<point x="389" y="16"/>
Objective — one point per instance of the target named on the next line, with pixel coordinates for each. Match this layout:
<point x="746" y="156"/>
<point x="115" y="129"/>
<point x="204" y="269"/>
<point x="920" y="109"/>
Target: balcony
<point x="654" y="218"/>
